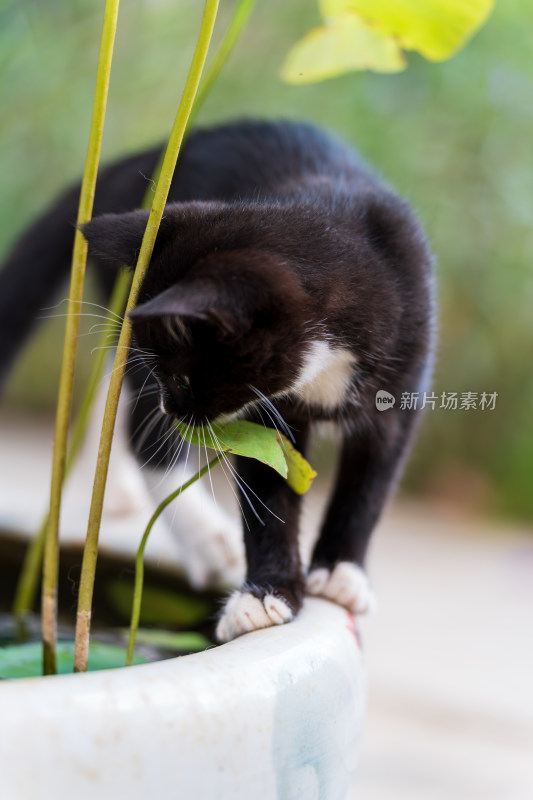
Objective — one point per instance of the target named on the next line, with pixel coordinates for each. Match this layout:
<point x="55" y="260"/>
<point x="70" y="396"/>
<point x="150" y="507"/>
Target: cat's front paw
<point x="214" y="558"/>
<point x="245" y="612"/>
<point x="345" y="584"/>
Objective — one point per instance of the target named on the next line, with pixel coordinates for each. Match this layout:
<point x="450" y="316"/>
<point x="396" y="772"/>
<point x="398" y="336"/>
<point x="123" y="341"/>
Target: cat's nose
<point x="174" y="403"/>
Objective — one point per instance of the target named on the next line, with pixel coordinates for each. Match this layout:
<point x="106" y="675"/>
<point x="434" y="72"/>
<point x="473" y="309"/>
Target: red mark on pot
<point x="353" y="630"/>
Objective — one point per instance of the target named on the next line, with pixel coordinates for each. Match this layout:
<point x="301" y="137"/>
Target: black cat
<point x="287" y="282"/>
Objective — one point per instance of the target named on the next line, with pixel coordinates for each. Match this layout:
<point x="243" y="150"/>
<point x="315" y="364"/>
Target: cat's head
<point x="219" y="319"/>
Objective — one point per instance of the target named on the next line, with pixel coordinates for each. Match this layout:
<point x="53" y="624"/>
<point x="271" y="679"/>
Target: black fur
<point x="275" y="234"/>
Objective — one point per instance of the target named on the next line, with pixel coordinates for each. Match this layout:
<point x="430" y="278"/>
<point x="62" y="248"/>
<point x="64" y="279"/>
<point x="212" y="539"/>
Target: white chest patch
<point x="325" y="376"/>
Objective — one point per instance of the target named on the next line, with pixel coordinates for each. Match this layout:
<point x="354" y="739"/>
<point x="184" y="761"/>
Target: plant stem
<point x="27" y="584"/>
<point x="117" y="305"/>
<point x="139" y="562"/>
<point x="64" y="404"/>
<point x="83" y="620"/>
<point x="229" y="40"/>
<point x="233" y="31"/>
<point x="28" y="580"/>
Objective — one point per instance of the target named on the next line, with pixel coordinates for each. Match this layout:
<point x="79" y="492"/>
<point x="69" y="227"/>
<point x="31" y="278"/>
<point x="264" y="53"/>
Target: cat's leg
<point x="368" y="465"/>
<point x="274" y="588"/>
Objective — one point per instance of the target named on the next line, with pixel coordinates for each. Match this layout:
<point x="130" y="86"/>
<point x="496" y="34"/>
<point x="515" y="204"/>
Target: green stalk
<point x="233" y="31"/>
<point x="83" y="620"/>
<point x="26" y="589"/>
<point x="27" y="584"/>
<point x="28" y="580"/>
<point x="223" y="51"/>
<point x="64" y="404"/>
<point x="139" y="559"/>
<point x="117" y="305"/>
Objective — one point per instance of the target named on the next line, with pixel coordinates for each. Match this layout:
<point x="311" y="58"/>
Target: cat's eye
<point x="182" y="382"/>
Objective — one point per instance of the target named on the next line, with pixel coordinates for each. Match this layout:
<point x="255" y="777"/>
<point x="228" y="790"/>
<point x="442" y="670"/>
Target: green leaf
<point x="345" y="43"/>
<point x="159" y="606"/>
<point x="251" y="440"/>
<point x="187" y="641"/>
<point x="435" y="28"/>
<point x="25" y="660"/>
<point x="241" y="438"/>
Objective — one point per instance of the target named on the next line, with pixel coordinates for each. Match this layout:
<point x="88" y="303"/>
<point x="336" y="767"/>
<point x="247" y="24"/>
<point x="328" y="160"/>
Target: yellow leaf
<point x="435" y="28"/>
<point x="343" y="44"/>
<point x="300" y="474"/>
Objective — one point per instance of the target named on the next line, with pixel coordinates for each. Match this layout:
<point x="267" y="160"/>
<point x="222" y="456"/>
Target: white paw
<point x="346" y="585"/>
<point x="126" y="492"/>
<point x="244" y="612"/>
<point x="214" y="556"/>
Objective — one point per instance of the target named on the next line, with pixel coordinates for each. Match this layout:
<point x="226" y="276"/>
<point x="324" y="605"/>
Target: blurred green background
<point x="454" y="138"/>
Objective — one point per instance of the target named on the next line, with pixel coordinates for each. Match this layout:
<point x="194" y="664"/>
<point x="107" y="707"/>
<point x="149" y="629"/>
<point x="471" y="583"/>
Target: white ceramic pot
<point x="274" y="715"/>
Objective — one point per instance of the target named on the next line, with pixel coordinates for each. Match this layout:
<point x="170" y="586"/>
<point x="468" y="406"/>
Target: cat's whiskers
<point x="173" y="460"/>
<point x="132" y="364"/>
<point x="179" y="447"/>
<point x="164" y="437"/>
<point x="106" y="324"/>
<point x="151" y="391"/>
<point x="187" y="456"/>
<point x="181" y="443"/>
<point x="260" y="406"/>
<point x="157" y="423"/>
<point x="231" y="483"/>
<point x="108" y="311"/>
<point x="242" y="485"/>
<point x="152" y="419"/>
<point x="132" y="349"/>
<point x="207" y="460"/>
<point x="184" y="473"/>
<point x="266" y="403"/>
<point x="282" y="438"/>
<point x="284" y="425"/>
<point x="148" y="392"/>
<point x="241" y="482"/>
<point x="171" y="463"/>
<point x="132" y="367"/>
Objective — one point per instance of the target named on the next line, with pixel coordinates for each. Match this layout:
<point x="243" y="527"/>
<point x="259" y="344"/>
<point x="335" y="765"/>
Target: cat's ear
<point x="196" y="300"/>
<point x="118" y="237"/>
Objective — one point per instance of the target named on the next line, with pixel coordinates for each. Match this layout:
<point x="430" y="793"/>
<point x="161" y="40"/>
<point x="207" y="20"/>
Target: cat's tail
<point x="32" y="275"/>
<point x="39" y="263"/>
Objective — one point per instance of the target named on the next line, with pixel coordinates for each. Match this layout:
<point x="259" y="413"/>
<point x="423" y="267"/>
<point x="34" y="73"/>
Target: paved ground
<point x="450" y="650"/>
<point x="450" y="662"/>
